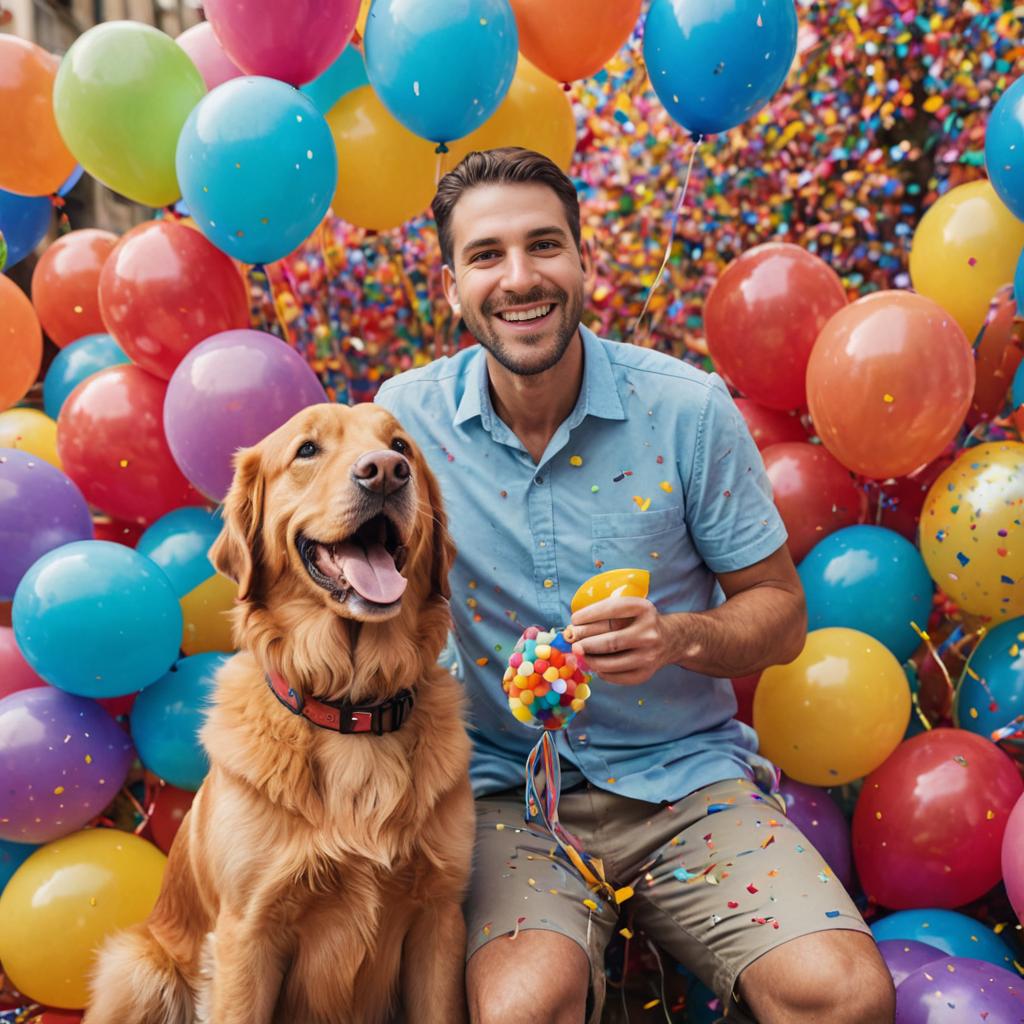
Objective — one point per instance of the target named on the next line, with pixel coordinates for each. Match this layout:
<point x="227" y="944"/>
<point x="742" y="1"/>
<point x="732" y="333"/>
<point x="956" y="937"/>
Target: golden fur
<point x="318" y="877"/>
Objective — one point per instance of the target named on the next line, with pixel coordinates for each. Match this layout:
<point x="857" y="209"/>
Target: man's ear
<point x="587" y="261"/>
<point x="451" y="289"/>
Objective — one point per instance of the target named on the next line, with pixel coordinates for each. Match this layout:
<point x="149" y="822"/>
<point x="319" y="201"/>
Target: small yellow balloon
<point x="971" y="536"/>
<point x="64" y="900"/>
<point x="536" y="113"/>
<point x="964" y="250"/>
<point x="613" y="583"/>
<point x="385" y="173"/>
<point x="364" y="13"/>
<point x="204" y="609"/>
<point x="30" y="431"/>
<point x="835" y="713"/>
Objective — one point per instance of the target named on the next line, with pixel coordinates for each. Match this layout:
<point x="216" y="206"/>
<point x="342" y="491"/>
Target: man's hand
<point x="622" y="638"/>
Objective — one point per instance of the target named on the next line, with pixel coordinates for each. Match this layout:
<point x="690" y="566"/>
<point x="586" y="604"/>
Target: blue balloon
<point x="441" y="69"/>
<point x="955" y="934"/>
<point x="167" y="716"/>
<point x="178" y="543"/>
<point x="992" y="692"/>
<point x="348" y="72"/>
<point x="23" y="222"/>
<point x="97" y="619"/>
<point x="868" y="578"/>
<point x="1017" y="387"/>
<point x="71" y="181"/>
<point x="73" y="363"/>
<point x="257" y="167"/>
<point x="1004" y="148"/>
<point x="12" y="856"/>
<point x="716" y="63"/>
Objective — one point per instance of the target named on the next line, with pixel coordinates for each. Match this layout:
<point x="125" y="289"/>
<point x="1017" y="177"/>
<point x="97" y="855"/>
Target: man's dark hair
<point x="506" y="166"/>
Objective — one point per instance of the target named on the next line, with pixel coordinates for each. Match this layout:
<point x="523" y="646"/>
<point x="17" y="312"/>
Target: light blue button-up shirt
<point x="653" y="469"/>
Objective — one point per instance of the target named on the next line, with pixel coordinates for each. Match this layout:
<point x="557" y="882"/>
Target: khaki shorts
<point x="720" y="878"/>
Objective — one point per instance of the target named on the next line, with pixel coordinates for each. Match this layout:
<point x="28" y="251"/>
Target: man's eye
<point x="307" y="450"/>
<point x="481" y="256"/>
<point x="399" y="445"/>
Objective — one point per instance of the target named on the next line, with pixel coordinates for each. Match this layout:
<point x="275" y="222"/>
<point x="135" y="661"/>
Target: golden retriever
<point x="318" y="877"/>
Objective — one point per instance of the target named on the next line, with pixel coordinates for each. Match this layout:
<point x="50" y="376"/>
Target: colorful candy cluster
<point x="546" y="683"/>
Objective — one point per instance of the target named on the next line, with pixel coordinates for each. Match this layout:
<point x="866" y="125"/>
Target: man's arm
<point x="762" y="622"/>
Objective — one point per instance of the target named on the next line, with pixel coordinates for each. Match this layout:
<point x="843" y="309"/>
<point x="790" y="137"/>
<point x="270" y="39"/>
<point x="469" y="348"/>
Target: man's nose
<point x="519" y="273"/>
<point x="381" y="472"/>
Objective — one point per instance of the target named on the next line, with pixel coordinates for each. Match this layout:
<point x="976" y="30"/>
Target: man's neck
<point x="534" y="407"/>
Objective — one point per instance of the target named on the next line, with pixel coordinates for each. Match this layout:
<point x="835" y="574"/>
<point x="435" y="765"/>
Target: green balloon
<point x="121" y="96"/>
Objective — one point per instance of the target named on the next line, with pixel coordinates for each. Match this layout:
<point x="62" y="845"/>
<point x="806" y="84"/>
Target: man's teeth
<point x="526" y="314"/>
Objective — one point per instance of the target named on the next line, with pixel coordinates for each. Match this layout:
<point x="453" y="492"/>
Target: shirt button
<point x="549" y="584"/>
<point x="538" y="479"/>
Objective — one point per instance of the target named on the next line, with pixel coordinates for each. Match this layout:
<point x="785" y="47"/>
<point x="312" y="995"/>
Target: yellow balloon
<point x="971" y="535"/>
<point x="836" y="712"/>
<point x="613" y="583"/>
<point x="30" y="431"/>
<point x="64" y="900"/>
<point x="386" y="174"/>
<point x="964" y="250"/>
<point x="204" y="609"/>
<point x="536" y="113"/>
<point x="364" y="13"/>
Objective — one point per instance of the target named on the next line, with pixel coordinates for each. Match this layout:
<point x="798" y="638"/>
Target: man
<point x="559" y="455"/>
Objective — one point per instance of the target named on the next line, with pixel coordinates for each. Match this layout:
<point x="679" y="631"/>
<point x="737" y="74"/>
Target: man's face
<point x="517" y="279"/>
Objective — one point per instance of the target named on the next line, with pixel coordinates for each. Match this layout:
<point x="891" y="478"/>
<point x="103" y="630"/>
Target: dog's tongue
<point x="371" y="572"/>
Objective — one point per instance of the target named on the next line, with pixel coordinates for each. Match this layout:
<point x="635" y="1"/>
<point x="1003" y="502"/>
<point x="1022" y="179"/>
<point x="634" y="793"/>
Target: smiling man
<point x="561" y="454"/>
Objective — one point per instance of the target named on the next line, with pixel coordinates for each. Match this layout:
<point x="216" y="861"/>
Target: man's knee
<point x="498" y="990"/>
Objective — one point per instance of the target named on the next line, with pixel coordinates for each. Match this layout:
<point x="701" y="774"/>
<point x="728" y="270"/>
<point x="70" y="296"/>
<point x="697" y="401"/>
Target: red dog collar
<point x="339" y="715"/>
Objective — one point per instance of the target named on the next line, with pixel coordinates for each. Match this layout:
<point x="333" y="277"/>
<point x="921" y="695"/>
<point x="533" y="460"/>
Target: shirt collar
<point x="599" y="395"/>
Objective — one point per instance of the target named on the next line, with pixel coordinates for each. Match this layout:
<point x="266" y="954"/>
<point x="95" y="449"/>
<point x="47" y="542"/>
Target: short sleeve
<point x="729" y="508"/>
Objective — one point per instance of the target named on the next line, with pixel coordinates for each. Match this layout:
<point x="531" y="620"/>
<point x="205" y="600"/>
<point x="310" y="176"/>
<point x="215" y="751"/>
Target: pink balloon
<point x="15" y="672"/>
<point x="1013" y="858"/>
<point x="293" y="41"/>
<point x="208" y="55"/>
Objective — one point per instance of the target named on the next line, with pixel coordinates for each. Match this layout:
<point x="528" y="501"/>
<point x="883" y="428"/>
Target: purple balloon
<point x="40" y="509"/>
<point x="229" y="392"/>
<point x="818" y="816"/>
<point x="904" y="956"/>
<point x="62" y="760"/>
<point x="956" y="989"/>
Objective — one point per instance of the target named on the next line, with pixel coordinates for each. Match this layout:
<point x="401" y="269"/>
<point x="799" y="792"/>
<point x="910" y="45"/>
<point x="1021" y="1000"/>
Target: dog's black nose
<point x="382" y="472"/>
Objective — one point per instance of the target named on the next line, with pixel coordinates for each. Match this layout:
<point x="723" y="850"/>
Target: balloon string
<point x="935" y="657"/>
<point x="681" y="198"/>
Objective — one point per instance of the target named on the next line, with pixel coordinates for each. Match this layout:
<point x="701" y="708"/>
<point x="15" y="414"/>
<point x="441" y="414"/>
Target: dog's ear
<point x="235" y="552"/>
<point x="442" y="550"/>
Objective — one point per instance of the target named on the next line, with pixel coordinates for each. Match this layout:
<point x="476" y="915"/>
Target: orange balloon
<point x="889" y="382"/>
<point x="65" y="284"/>
<point x="998" y="356"/>
<point x="33" y="158"/>
<point x="572" y="39"/>
<point x="535" y="113"/>
<point x="21" y="343"/>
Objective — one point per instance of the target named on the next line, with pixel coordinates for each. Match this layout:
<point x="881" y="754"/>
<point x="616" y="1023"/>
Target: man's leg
<point x="535" y="949"/>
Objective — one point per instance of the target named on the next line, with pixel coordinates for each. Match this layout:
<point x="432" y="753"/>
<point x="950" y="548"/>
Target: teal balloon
<point x="992" y="692"/>
<point x="348" y="72"/>
<point x="1017" y="385"/>
<point x="97" y="619"/>
<point x="178" y="542"/>
<point x="73" y="363"/>
<point x="868" y="578"/>
<point x="257" y="167"/>
<point x="716" y="63"/>
<point x="441" y="69"/>
<point x="24" y="221"/>
<point x="1004" y="148"/>
<point x="955" y="934"/>
<point x="167" y="716"/>
<point x="12" y="856"/>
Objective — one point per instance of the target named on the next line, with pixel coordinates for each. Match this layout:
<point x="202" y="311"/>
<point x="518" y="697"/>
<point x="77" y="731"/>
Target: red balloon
<point x="15" y="672"/>
<point x="110" y="436"/>
<point x="170" y="805"/>
<point x="117" y="530"/>
<point x="897" y="504"/>
<point x="66" y="281"/>
<point x="997" y="356"/>
<point x="763" y="316"/>
<point x="929" y="822"/>
<point x="814" y="494"/>
<point x="164" y="289"/>
<point x="770" y="426"/>
<point x="117" y="706"/>
<point x="744" y="688"/>
<point x="889" y="383"/>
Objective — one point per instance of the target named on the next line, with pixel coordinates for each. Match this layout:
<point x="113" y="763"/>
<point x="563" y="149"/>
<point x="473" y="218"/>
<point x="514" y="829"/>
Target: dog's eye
<point x="400" y="445"/>
<point x="307" y="450"/>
